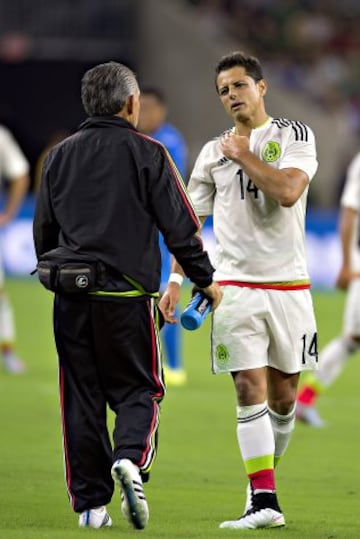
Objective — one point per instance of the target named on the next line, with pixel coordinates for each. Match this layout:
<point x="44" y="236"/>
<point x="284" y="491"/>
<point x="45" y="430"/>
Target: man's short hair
<point x="105" y="88"/>
<point x="251" y="65"/>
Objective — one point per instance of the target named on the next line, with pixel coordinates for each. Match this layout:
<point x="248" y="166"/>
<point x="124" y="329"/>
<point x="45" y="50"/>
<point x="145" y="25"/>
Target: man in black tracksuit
<point x="105" y="193"/>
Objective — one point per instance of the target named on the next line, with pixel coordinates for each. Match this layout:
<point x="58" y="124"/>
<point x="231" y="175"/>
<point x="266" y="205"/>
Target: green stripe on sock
<point x="266" y="462"/>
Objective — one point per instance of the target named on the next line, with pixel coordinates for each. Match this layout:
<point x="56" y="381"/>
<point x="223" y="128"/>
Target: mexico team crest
<point x="271" y="151"/>
<point x="222" y="354"/>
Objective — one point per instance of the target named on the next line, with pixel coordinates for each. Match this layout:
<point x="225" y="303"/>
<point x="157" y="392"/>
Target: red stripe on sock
<point x="307" y="395"/>
<point x="263" y="480"/>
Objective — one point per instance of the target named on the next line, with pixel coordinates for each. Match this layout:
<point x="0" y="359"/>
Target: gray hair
<point x="105" y="88"/>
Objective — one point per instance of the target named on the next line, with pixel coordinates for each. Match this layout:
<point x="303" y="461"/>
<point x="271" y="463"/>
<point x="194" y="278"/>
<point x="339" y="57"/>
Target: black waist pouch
<point x="78" y="275"/>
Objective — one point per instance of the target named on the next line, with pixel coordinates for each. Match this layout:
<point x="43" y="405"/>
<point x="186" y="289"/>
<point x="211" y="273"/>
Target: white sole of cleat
<point x="134" y="504"/>
<point x="264" y="518"/>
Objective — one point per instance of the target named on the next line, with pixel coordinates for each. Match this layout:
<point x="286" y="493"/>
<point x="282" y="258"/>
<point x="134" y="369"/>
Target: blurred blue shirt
<point x="175" y="144"/>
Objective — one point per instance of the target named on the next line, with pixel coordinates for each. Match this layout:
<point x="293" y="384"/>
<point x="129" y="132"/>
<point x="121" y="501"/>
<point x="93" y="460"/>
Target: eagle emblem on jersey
<point x="271" y="151"/>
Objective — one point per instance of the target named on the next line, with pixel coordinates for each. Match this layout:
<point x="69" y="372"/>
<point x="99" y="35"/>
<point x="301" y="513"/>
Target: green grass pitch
<point x="198" y="479"/>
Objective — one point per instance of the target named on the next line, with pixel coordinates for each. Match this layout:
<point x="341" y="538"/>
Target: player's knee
<point x="250" y="390"/>
<point x="353" y="343"/>
<point x="283" y="405"/>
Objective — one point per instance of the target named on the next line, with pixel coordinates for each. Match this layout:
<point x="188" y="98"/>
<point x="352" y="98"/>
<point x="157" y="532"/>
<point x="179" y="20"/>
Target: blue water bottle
<point x="196" y="311"/>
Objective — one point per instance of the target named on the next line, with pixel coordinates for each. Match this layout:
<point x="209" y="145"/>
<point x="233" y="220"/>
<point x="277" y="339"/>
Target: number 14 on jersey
<point x="250" y="187"/>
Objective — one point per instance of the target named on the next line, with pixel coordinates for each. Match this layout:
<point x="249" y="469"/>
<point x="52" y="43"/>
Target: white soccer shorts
<point x="255" y="327"/>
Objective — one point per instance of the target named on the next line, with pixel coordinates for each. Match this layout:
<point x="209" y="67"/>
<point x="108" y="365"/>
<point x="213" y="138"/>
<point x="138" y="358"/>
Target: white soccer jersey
<point x="12" y="161"/>
<point x="257" y="240"/>
<point x="351" y="199"/>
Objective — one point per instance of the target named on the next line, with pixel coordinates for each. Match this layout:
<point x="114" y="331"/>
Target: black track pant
<point x="109" y="354"/>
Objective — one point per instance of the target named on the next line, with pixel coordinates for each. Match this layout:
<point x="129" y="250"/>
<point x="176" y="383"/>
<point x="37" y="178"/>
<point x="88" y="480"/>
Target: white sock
<point x="333" y="358"/>
<point x="283" y="427"/>
<point x="254" y="432"/>
<point x="7" y="326"/>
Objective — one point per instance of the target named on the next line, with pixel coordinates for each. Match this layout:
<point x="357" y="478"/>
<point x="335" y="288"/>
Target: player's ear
<point x="262" y="85"/>
<point x="129" y="105"/>
<point x="132" y="107"/>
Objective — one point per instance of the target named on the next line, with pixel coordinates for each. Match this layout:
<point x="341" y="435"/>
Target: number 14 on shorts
<point x="309" y="348"/>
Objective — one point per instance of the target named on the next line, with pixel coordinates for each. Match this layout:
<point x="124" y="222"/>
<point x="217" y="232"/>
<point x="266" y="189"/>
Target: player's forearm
<point x="176" y="268"/>
<point x="348" y="219"/>
<point x="17" y="191"/>
<point x="285" y="186"/>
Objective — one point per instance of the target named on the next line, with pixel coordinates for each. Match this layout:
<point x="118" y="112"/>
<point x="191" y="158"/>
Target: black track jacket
<point x="106" y="191"/>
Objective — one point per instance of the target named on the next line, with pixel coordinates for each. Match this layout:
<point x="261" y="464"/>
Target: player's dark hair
<point x="154" y="92"/>
<point x="251" y="65"/>
<point x="105" y="87"/>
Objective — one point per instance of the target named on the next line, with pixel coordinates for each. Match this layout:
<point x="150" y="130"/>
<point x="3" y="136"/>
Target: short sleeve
<point x="300" y="151"/>
<point x="201" y="184"/>
<point x="13" y="161"/>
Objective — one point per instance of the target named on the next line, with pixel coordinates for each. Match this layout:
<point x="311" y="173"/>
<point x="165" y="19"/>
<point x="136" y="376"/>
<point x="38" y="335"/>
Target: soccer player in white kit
<point x="15" y="168"/>
<point x="254" y="180"/>
<point x="336" y="354"/>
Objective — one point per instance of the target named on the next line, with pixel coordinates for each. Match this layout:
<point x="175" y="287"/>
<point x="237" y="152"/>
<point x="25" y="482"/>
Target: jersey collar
<point x="260" y="127"/>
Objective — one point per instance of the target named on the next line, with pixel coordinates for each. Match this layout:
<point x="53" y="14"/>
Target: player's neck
<point x="245" y="127"/>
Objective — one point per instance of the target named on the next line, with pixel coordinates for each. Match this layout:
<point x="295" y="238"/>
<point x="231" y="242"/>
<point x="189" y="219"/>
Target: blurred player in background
<point x="55" y="137"/>
<point x="14" y="168"/>
<point x="254" y="180"/>
<point x="336" y="354"/>
<point x="153" y="122"/>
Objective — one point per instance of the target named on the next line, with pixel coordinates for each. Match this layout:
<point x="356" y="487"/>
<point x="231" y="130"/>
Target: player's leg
<point x="282" y="407"/>
<point x="174" y="369"/>
<point x="293" y="348"/>
<point x="291" y="331"/>
<point x="256" y="442"/>
<point x="11" y="362"/>
<point x="87" y="447"/>
<point x="128" y="348"/>
<point x="240" y="342"/>
<point x="131" y="372"/>
<point x="332" y="360"/>
<point x="175" y="374"/>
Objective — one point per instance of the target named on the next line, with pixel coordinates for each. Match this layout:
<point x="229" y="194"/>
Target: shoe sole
<point x="252" y="522"/>
<point x="267" y="527"/>
<point x="137" y="514"/>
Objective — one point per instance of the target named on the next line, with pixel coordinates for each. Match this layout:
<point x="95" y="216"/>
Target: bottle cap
<point x="196" y="311"/>
<point x="191" y="320"/>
